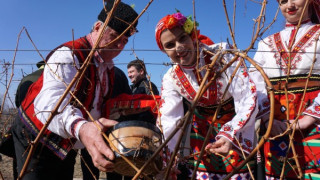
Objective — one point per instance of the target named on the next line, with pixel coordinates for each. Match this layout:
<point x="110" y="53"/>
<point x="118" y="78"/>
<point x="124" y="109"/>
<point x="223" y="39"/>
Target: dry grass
<point x="6" y="167"/>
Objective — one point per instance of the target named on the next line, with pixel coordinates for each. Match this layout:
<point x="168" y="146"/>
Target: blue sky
<point x="50" y="23"/>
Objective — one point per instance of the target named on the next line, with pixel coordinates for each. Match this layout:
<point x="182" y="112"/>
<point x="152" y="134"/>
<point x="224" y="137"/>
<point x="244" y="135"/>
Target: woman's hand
<point x="222" y="146"/>
<point x="305" y="122"/>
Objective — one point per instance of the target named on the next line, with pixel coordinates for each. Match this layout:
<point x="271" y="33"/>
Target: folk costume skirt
<point x="306" y="143"/>
<point x="213" y="166"/>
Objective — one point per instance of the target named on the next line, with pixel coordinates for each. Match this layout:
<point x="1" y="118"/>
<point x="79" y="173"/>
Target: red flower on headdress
<point x="170" y="22"/>
<point x="174" y="20"/>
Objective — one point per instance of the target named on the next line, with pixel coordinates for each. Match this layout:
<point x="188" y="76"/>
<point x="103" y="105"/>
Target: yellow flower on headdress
<point x="188" y="25"/>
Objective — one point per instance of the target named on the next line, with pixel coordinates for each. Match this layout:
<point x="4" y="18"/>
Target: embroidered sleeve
<point x="55" y="80"/>
<point x="75" y="126"/>
<point x="255" y="75"/>
<point x="171" y="109"/>
<point x="241" y="129"/>
<point x="314" y="109"/>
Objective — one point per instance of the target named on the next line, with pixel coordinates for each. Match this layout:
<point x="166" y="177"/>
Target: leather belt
<point x="300" y="84"/>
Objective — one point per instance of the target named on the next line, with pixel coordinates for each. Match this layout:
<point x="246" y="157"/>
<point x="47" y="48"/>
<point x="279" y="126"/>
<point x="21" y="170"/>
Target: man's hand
<point x="222" y="146"/>
<point x="92" y="139"/>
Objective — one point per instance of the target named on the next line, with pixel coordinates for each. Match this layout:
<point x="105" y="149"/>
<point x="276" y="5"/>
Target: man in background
<point x="137" y="74"/>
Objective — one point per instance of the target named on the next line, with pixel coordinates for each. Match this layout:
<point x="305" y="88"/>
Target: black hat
<point x="40" y="64"/>
<point x="123" y="16"/>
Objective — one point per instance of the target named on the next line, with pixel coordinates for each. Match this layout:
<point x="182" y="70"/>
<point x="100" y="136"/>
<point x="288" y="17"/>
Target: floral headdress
<point x="172" y="21"/>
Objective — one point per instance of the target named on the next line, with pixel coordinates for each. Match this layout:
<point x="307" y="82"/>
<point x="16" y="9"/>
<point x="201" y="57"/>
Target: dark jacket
<point x="142" y="87"/>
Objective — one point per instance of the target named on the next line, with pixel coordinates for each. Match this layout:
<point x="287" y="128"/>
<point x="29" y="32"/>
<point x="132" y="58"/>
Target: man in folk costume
<point x="274" y="56"/>
<point x="234" y="127"/>
<point x="71" y="128"/>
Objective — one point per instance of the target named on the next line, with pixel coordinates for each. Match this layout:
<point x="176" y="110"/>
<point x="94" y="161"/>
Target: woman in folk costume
<point x="234" y="128"/>
<point x="274" y="56"/>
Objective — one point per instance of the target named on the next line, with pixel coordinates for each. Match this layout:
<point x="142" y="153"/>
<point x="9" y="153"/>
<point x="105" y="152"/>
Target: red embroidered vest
<point x="84" y="91"/>
<point x="207" y="104"/>
<point x="287" y="57"/>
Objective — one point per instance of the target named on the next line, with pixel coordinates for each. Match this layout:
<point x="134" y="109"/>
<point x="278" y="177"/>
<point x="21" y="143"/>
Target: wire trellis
<point x="8" y="70"/>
